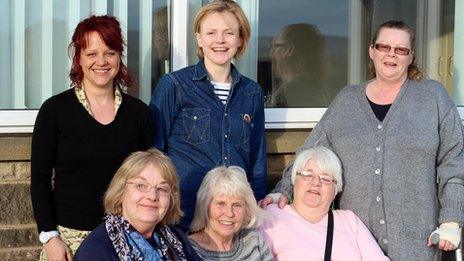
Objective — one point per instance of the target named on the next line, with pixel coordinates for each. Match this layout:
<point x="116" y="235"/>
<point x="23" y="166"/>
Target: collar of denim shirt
<point x="201" y="74"/>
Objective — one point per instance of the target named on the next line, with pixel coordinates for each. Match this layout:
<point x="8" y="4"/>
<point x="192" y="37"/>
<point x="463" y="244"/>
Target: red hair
<point x="109" y="29"/>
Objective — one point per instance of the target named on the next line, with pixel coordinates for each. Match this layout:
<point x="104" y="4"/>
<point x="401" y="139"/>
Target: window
<point x="34" y="62"/>
<point x="303" y="52"/>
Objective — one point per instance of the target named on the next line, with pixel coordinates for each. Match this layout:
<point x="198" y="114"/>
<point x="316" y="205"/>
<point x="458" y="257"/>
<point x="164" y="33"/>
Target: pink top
<point x="291" y="237"/>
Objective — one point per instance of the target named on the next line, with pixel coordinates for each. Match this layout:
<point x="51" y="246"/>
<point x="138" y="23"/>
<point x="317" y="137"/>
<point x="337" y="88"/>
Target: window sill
<point x="22" y="121"/>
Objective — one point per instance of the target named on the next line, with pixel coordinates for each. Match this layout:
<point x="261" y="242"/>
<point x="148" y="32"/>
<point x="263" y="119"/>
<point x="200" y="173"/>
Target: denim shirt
<point x="199" y="133"/>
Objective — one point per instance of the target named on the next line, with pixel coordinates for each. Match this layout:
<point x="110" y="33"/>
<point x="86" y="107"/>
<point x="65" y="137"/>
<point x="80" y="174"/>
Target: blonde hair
<point x="130" y="168"/>
<point x="219" y="6"/>
<point x="226" y="181"/>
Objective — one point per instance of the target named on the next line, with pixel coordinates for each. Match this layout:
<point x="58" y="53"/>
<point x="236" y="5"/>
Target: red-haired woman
<point x="82" y="135"/>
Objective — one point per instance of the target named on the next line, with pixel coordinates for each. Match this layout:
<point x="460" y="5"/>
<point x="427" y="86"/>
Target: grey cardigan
<point x="402" y="176"/>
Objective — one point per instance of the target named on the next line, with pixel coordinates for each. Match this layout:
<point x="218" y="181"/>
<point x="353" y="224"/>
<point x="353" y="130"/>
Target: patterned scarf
<point x="130" y="245"/>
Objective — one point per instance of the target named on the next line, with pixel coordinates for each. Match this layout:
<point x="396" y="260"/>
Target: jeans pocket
<point x="196" y="122"/>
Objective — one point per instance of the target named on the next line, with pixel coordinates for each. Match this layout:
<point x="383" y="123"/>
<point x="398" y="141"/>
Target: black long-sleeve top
<point x="84" y="155"/>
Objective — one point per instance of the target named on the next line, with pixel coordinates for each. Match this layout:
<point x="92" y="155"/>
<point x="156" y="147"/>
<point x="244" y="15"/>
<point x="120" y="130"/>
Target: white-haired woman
<point x="226" y="215"/>
<point x="308" y="229"/>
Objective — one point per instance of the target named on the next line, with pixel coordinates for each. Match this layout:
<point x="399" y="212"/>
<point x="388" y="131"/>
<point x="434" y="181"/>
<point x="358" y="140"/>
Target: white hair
<point x="226" y="181"/>
<point x="325" y="159"/>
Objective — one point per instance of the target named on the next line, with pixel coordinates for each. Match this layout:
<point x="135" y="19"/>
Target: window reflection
<point x="303" y="50"/>
<point x="299" y="67"/>
<point x="161" y="45"/>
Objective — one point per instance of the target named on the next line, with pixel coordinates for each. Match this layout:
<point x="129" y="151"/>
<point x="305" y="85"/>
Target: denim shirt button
<point x="225" y="136"/>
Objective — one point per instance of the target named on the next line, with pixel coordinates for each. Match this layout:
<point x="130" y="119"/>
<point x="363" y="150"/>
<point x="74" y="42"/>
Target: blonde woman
<point x="142" y="204"/>
<point x="209" y="114"/>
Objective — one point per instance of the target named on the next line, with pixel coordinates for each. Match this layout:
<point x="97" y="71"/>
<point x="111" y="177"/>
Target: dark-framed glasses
<point x="324" y="179"/>
<point x="145" y="187"/>
<point x="385" y="48"/>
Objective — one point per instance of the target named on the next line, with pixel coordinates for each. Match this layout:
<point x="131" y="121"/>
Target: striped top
<point x="222" y="91"/>
<point x="249" y="245"/>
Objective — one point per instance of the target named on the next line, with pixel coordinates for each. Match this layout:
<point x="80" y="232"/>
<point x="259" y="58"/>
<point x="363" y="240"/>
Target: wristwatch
<point x="45" y="236"/>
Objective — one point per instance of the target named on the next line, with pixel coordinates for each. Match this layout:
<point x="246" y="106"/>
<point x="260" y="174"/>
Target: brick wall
<point x="281" y="146"/>
<point x="18" y="232"/>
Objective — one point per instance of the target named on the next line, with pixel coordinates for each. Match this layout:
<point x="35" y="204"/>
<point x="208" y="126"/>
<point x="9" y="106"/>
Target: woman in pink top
<point x="299" y="231"/>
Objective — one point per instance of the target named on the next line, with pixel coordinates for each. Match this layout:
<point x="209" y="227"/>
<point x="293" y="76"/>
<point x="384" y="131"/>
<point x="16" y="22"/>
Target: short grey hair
<point x="226" y="181"/>
<point x="325" y="159"/>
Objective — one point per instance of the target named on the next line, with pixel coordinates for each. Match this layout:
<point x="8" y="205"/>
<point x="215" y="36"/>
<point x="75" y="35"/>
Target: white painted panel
<point x="145" y="49"/>
<point x="74" y="17"/>
<point x="248" y="63"/>
<point x="121" y="12"/>
<point x="99" y="7"/>
<point x="6" y="28"/>
<point x="18" y="47"/>
<point x="461" y="112"/>
<point x="17" y="121"/>
<point x="291" y="118"/>
<point x="179" y="34"/>
<point x="47" y="51"/>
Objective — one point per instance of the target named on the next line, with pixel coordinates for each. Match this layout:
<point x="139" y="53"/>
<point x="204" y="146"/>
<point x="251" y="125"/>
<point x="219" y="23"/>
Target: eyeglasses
<point x="144" y="187"/>
<point x="324" y="179"/>
<point x="385" y="48"/>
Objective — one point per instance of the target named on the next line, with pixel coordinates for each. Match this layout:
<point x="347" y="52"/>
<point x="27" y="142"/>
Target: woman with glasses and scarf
<point x="142" y="204"/>
<point x="400" y="140"/>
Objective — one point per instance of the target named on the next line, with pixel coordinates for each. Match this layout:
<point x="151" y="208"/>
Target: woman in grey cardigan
<point x="400" y="140"/>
